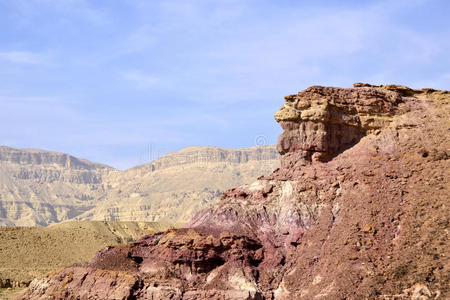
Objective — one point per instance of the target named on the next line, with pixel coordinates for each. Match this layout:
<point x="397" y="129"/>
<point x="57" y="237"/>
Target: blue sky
<point x="103" y="80"/>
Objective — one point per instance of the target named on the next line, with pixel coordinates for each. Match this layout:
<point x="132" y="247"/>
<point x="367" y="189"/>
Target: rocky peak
<point x="320" y="122"/>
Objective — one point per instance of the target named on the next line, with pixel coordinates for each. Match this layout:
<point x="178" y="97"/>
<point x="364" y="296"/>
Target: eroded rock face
<point x="174" y="187"/>
<point x="320" y="122"/>
<point x="40" y="187"/>
<point x="357" y="210"/>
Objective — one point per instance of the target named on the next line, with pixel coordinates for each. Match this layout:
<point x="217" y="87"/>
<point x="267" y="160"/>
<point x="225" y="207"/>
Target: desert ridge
<point x="40" y="187"/>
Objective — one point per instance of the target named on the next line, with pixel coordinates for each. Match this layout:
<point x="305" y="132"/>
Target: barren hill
<point x="39" y="187"/>
<point x="176" y="186"/>
<point x="29" y="252"/>
<point x="357" y="210"/>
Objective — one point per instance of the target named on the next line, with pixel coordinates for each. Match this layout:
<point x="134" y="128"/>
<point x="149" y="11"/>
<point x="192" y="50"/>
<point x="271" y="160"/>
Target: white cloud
<point x="23" y="57"/>
<point x="139" y="40"/>
<point x="230" y="61"/>
<point x="140" y="79"/>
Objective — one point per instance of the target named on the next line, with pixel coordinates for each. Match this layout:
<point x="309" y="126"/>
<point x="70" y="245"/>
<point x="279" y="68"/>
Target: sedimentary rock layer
<point x="40" y="187"/>
<point x="357" y="210"/>
<point x="176" y="186"/>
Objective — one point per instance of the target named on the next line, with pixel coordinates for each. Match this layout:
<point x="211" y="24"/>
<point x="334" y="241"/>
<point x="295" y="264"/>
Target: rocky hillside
<point x="39" y="187"/>
<point x="357" y="210"/>
<point x="29" y="252"/>
<point x="176" y="186"/>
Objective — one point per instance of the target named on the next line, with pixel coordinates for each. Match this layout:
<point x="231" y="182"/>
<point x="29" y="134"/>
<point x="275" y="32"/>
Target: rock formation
<point x="176" y="186"/>
<point x="357" y="210"/>
<point x="40" y="187"/>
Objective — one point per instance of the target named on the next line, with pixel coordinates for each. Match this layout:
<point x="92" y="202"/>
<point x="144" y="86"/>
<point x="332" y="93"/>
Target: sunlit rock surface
<point x="357" y="210"/>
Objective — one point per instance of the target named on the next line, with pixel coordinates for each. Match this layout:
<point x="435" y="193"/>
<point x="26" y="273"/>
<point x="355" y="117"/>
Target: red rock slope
<point x="358" y="210"/>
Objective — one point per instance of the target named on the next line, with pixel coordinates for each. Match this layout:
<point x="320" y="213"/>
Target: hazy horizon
<point x="106" y="80"/>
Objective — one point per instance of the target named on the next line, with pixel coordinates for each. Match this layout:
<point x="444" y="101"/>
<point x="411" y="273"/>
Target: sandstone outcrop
<point x="321" y="122"/>
<point x="357" y="210"/>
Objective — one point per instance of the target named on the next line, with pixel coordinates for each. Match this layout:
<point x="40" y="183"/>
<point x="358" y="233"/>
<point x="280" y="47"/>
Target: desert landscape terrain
<point x="87" y="206"/>
<point x="357" y="210"/>
<point x="224" y="150"/>
<point x="42" y="187"/>
<point x="30" y="252"/>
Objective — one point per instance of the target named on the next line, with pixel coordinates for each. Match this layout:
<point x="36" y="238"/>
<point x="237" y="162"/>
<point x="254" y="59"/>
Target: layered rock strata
<point x="176" y="186"/>
<point x="357" y="210"/>
<point x="40" y="187"/>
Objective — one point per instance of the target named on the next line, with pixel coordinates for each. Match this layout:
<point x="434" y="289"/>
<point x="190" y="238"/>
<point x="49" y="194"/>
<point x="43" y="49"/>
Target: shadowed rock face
<point x="357" y="210"/>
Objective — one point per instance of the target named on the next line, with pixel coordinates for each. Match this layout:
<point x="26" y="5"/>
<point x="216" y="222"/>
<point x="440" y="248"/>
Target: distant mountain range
<point x="40" y="187"/>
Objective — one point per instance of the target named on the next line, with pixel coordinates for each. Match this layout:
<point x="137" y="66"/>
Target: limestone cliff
<point x="176" y="186"/>
<point x="209" y="155"/>
<point x="40" y="187"/>
<point x="357" y="210"/>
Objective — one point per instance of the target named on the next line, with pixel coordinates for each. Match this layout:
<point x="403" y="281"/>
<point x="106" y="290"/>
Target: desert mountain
<point x="176" y="186"/>
<point x="357" y="210"/>
<point x="40" y="187"/>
